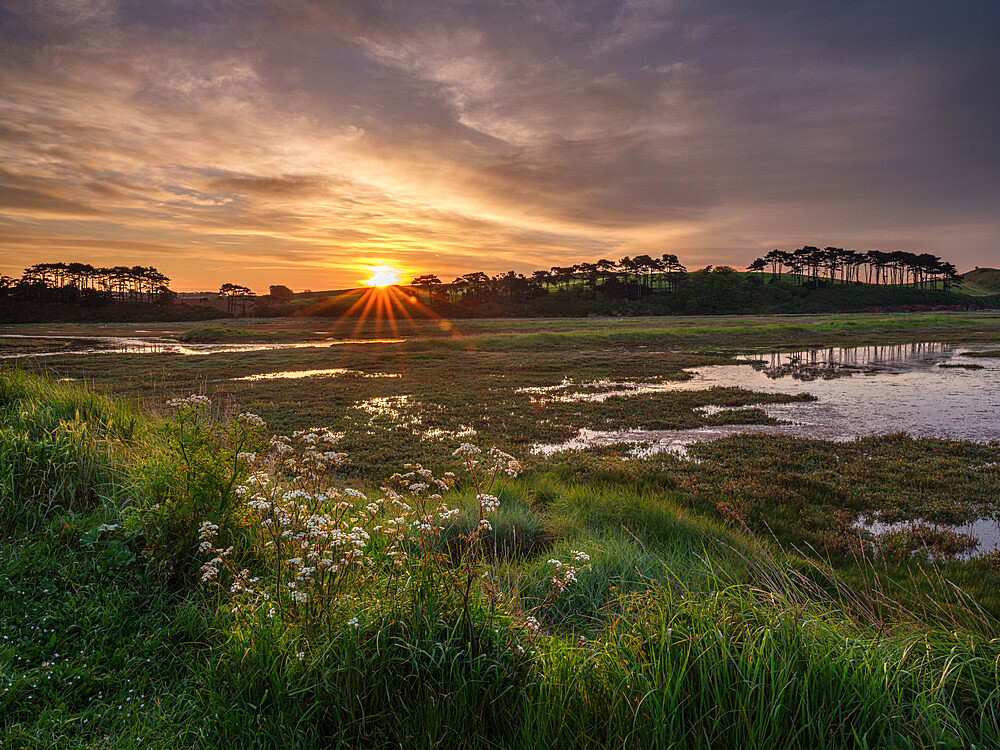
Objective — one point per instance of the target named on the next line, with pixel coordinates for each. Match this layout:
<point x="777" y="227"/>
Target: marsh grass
<point x="692" y="627"/>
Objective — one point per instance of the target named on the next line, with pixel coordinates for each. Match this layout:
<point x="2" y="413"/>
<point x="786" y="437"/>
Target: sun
<point x="383" y="276"/>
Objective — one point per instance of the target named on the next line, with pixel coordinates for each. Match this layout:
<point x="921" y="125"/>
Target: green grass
<point x="93" y="654"/>
<point x="729" y="601"/>
<point x="980" y="282"/>
<point x="60" y="448"/>
<point x="740" y="667"/>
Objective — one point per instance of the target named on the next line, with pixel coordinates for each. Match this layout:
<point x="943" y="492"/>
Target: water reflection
<point x="839" y="362"/>
<point x="985" y="532"/>
<point x="897" y="388"/>
<point x="329" y="372"/>
<point x="404" y="412"/>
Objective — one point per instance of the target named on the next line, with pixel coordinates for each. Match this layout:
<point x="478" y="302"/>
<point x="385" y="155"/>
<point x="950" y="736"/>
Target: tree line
<point x="82" y="282"/>
<point x="643" y="275"/>
<point x="94" y="285"/>
<point x="631" y="279"/>
<point x="627" y="276"/>
<point x="811" y="265"/>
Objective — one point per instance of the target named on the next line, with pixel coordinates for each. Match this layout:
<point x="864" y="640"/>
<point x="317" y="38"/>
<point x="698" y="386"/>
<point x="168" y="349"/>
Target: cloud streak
<point x="291" y="142"/>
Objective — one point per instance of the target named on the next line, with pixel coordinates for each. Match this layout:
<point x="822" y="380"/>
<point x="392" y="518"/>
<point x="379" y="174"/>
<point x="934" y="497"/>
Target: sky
<point x="292" y="142"/>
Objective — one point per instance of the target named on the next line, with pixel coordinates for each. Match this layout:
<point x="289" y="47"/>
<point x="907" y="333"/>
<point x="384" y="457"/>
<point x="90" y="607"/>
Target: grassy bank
<point x="230" y="335"/>
<point x="687" y="626"/>
<point x="982" y="282"/>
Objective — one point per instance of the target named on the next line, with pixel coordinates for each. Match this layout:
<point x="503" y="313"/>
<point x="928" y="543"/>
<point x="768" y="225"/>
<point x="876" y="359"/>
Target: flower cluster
<point x="416" y="509"/>
<point x="251" y="419"/>
<point x="190" y="402"/>
<point x="206" y="537"/>
<point x="326" y="546"/>
<point x="566" y="571"/>
<point x="490" y="474"/>
<point x="320" y="538"/>
<point x="308" y="454"/>
<point x="316" y="540"/>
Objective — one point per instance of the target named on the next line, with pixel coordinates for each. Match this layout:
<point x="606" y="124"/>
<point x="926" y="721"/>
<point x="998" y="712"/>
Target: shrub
<point x="192" y="478"/>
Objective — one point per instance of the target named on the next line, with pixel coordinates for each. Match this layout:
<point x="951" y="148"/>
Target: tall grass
<point x="59" y="449"/>
<point x="740" y="666"/>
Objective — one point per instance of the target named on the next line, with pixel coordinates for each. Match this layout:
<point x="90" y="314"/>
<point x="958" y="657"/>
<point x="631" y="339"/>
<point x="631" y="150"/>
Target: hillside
<point x="980" y="282"/>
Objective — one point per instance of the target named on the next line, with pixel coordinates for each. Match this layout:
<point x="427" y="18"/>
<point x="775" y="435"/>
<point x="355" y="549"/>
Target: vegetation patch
<point x="588" y="601"/>
<point x="225" y="335"/>
<point x="748" y="572"/>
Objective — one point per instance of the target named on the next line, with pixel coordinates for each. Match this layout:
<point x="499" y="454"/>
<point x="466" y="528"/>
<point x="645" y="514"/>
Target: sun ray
<point x="380" y="307"/>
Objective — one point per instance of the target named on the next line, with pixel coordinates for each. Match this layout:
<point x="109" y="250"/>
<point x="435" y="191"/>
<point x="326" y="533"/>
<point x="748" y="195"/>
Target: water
<point x="127" y="345"/>
<point x="860" y="391"/>
<point x="985" y="530"/>
<point x="402" y="411"/>
<point x="327" y="373"/>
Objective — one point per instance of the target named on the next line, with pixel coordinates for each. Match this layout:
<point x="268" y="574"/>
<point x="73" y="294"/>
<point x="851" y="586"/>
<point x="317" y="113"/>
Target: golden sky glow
<point x="299" y="143"/>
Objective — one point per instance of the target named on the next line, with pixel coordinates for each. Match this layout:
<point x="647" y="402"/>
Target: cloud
<point x="38" y="203"/>
<point x="282" y="186"/>
<point x="300" y="139"/>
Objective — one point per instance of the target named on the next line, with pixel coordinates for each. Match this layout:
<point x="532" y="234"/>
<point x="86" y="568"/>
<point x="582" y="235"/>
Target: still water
<point x="859" y="391"/>
<point x="77" y="345"/>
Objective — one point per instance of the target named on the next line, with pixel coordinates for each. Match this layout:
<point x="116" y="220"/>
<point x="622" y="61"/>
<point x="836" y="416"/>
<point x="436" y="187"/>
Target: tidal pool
<point x="859" y="391"/>
<point x="986" y="531"/>
<point x="80" y="345"/>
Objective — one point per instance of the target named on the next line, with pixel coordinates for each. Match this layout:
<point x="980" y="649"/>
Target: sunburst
<point x="383" y="276"/>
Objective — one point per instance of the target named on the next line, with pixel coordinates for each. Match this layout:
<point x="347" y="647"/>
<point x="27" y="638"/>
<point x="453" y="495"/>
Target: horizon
<point x="389" y="276"/>
<point x="307" y="146"/>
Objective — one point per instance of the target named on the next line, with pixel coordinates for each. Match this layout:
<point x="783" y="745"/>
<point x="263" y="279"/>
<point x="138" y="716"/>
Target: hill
<point x="980" y="282"/>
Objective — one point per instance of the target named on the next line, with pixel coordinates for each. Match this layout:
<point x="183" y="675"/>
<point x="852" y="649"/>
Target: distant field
<point x="750" y="329"/>
<point x="457" y="374"/>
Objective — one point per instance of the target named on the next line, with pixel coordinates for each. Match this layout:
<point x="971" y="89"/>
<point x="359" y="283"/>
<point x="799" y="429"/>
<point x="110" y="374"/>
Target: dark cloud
<point x="284" y="186"/>
<point x="37" y="202"/>
<point x="301" y="136"/>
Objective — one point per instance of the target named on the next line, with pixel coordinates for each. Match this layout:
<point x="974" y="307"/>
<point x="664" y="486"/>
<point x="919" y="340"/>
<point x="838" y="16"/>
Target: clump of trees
<point x="811" y="265"/>
<point x="82" y="283"/>
<point x="236" y="294"/>
<point x="628" y="277"/>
